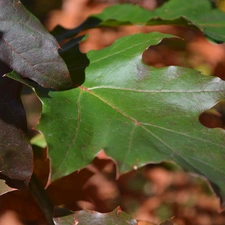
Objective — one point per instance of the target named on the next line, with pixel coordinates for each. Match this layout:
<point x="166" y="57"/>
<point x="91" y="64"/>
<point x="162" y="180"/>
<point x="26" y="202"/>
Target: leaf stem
<point x="42" y="199"/>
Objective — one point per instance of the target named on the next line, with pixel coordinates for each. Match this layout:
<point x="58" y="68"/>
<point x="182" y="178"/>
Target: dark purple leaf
<point x="28" y="48"/>
<point x="15" y="150"/>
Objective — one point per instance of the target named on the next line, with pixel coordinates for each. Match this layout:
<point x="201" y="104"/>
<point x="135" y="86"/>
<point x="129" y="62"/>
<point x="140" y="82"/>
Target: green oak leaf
<point x="28" y="48"/>
<point x="194" y="14"/>
<point x="136" y="113"/>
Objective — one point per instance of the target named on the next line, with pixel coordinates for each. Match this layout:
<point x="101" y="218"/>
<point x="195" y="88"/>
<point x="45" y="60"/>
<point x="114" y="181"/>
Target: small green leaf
<point x="39" y="140"/>
<point x="86" y="217"/>
<point x="28" y="48"/>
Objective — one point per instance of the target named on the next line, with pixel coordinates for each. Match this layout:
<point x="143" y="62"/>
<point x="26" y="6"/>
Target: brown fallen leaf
<point x="168" y="222"/>
<point x="145" y="223"/>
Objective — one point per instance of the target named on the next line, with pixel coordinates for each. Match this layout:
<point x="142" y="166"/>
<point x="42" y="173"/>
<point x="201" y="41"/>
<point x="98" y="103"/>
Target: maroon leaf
<point x="15" y="150"/>
<point x="28" y="48"/>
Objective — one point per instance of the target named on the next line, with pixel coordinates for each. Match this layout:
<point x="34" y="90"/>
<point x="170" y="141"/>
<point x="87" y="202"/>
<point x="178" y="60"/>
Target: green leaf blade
<point x="194" y="14"/>
<point x="59" y="109"/>
<point x="85" y="217"/>
<point x="137" y="114"/>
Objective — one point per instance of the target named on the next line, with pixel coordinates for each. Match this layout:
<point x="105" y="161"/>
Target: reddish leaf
<point x="15" y="150"/>
<point x="28" y="48"/>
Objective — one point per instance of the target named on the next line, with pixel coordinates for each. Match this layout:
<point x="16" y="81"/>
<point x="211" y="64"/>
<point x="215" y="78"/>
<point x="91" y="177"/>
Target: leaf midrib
<point x="141" y="124"/>
<point x="153" y="91"/>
